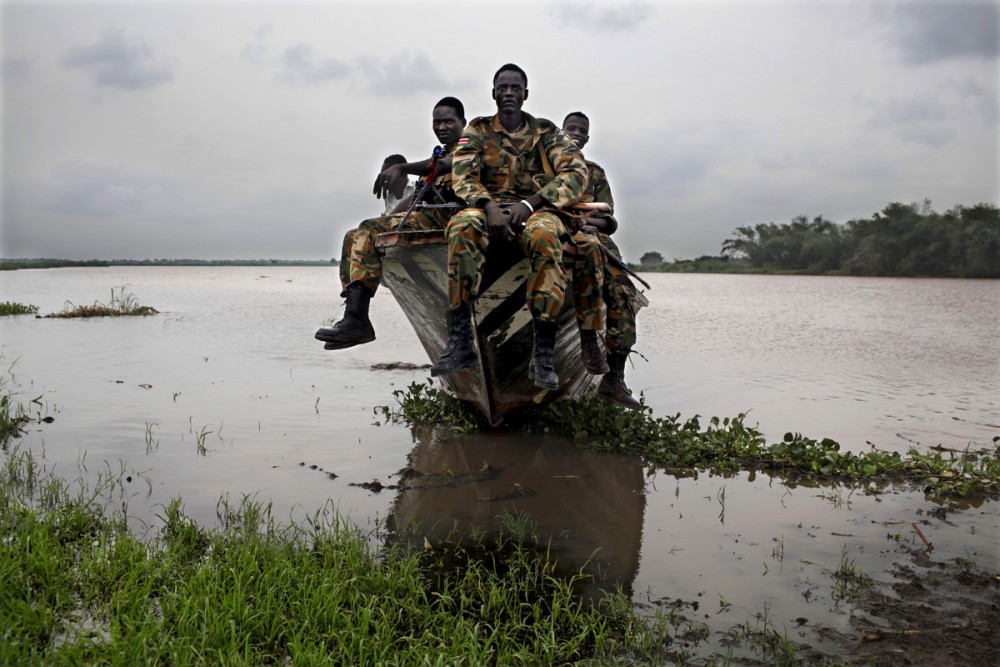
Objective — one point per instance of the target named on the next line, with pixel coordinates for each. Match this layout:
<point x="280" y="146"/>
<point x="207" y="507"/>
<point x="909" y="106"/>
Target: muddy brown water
<point x="225" y="394"/>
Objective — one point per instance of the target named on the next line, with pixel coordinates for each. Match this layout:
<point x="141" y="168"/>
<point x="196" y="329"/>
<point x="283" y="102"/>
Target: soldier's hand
<point x="518" y="215"/>
<point x="389" y="180"/>
<point x="498" y="222"/>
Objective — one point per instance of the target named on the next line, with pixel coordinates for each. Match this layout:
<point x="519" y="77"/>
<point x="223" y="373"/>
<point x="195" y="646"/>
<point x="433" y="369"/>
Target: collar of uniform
<point x="530" y="123"/>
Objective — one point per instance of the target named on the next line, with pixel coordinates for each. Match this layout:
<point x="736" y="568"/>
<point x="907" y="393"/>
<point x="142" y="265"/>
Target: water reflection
<point x="589" y="506"/>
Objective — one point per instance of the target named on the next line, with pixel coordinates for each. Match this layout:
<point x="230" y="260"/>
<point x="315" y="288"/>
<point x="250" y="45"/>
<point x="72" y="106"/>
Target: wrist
<point x="531" y="209"/>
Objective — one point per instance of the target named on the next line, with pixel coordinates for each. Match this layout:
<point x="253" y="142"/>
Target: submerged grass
<point x="723" y="445"/>
<point x="122" y="304"/>
<point x="14" y="308"/>
<point x="76" y="587"/>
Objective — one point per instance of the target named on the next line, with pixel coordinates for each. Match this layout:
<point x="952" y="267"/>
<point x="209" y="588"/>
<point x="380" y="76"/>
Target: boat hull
<point x="414" y="268"/>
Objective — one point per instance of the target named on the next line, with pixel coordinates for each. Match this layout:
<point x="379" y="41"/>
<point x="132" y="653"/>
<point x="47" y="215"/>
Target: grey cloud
<point x="908" y="111"/>
<point x="299" y="64"/>
<point x="402" y="73"/>
<point x="257" y="50"/>
<point x="926" y="32"/>
<point x="929" y="119"/>
<point x="255" y="53"/>
<point x="116" y="63"/>
<point x="622" y="17"/>
<point x="16" y="69"/>
<point x="94" y="189"/>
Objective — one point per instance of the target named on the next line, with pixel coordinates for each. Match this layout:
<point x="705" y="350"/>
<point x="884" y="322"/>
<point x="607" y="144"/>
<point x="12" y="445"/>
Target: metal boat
<point x="415" y="269"/>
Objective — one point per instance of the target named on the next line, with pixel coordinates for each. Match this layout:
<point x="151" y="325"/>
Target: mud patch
<point x="934" y="613"/>
<point x="399" y="366"/>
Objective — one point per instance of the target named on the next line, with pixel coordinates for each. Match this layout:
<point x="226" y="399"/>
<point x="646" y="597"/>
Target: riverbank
<point x="78" y="586"/>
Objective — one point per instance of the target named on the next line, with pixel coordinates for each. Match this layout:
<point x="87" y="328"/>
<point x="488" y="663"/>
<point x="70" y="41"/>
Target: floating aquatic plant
<point x="721" y="445"/>
<point x="123" y="303"/>
<point x="14" y="308"/>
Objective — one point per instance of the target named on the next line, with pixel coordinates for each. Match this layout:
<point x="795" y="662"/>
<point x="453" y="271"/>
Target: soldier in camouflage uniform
<point x="500" y="171"/>
<point x="360" y="265"/>
<point x="619" y="291"/>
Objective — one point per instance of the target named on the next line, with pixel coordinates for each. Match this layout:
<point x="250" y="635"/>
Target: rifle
<point x="428" y="183"/>
<point x="617" y="261"/>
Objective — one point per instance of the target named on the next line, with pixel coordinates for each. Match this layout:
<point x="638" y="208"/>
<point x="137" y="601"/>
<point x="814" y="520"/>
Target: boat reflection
<point x="588" y="506"/>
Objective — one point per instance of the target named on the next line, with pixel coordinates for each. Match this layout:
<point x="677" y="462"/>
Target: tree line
<point x="901" y="240"/>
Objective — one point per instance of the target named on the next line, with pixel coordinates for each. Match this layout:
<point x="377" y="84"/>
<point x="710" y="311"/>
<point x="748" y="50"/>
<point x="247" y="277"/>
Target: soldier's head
<point x="393" y="159"/>
<point x="448" y="120"/>
<point x="510" y="87"/>
<point x="576" y="126"/>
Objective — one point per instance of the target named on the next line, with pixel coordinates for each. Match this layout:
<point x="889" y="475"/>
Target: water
<point x="225" y="393"/>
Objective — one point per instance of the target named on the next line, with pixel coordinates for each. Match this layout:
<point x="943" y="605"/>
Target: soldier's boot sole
<point x="348" y="332"/>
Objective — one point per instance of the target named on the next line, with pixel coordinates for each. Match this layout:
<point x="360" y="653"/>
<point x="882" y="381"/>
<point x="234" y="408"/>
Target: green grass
<point x="13" y="308"/>
<point x="122" y="304"/>
<point x="76" y="587"/>
<point x="724" y="445"/>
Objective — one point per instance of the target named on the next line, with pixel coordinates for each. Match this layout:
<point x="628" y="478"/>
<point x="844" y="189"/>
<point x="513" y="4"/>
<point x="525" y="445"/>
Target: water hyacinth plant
<point x="14" y="308"/>
<point x="723" y="445"/>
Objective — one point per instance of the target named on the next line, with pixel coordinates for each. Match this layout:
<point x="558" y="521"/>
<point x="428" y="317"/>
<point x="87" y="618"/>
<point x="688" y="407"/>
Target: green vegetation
<point x="723" y="445"/>
<point x="43" y="263"/>
<point x="38" y="263"/>
<point x="13" y="415"/>
<point x="78" y="588"/>
<point x="122" y="304"/>
<point x="12" y="308"/>
<point x="901" y="240"/>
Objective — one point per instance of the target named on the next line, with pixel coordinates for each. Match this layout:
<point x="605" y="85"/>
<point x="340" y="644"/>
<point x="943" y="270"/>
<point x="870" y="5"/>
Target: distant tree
<point x="651" y="258"/>
<point x="900" y="240"/>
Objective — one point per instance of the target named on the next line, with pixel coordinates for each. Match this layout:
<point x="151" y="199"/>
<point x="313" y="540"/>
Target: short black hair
<point x="395" y="158"/>
<point x="576" y="113"/>
<point x="454" y="103"/>
<point x="511" y="67"/>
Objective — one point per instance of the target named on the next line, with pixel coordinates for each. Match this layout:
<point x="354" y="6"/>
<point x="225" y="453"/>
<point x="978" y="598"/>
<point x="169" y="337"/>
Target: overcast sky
<point x="237" y="130"/>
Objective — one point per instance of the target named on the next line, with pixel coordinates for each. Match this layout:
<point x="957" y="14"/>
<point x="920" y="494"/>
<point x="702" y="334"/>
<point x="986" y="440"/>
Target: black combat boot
<point x="541" y="369"/>
<point x="593" y="357"/>
<point x="460" y="351"/>
<point x="613" y="387"/>
<point x="355" y="328"/>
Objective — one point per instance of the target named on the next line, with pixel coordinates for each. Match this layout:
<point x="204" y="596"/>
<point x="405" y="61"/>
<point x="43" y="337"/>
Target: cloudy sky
<point x="254" y="130"/>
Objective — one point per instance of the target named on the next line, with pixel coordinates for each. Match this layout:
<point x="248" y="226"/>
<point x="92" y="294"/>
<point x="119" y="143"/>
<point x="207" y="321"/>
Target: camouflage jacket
<point x="599" y="190"/>
<point x="491" y="163"/>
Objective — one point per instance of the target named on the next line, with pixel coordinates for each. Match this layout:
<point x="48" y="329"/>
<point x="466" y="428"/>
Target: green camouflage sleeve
<point x="466" y="166"/>
<point x="571" y="172"/>
<point x="600" y="186"/>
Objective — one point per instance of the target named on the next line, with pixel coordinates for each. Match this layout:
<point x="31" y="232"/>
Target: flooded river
<point x="225" y="394"/>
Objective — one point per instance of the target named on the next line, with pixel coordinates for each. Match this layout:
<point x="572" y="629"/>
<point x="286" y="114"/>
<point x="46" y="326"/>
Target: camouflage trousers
<point x="619" y="296"/>
<point x="540" y="241"/>
<point x="359" y="263"/>
<point x="587" y="262"/>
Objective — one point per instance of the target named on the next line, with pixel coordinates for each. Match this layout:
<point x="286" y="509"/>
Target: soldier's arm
<point x="602" y="193"/>
<point x="390" y="179"/>
<point x="571" y="171"/>
<point x="466" y="166"/>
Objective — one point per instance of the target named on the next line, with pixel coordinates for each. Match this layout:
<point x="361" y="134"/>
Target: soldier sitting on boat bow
<point x="360" y="265"/>
<point x="501" y="158"/>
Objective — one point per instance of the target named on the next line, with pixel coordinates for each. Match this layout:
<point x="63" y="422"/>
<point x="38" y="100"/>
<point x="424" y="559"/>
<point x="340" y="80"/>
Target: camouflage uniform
<point x="359" y="263"/>
<point x="587" y="262"/>
<point x="491" y="163"/>
<point x="619" y="291"/>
